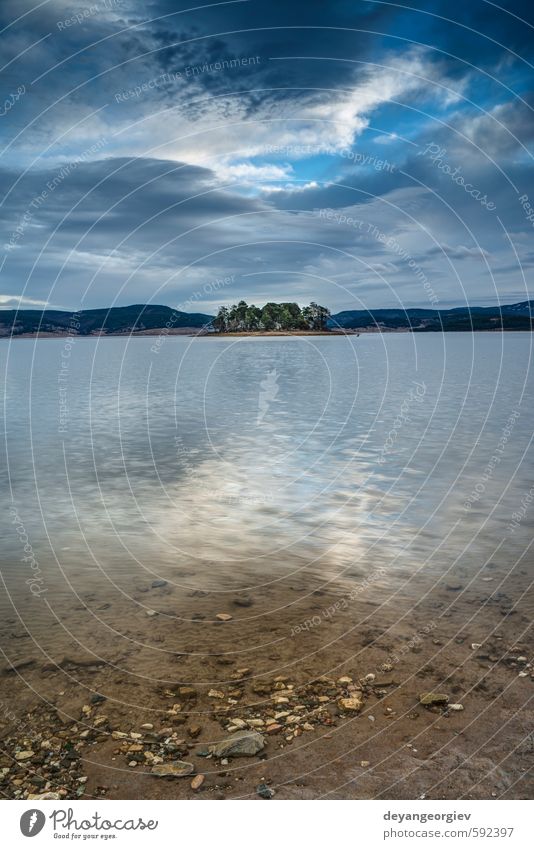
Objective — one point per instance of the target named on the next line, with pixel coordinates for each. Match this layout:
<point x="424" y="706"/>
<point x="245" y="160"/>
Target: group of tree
<point x="286" y="316"/>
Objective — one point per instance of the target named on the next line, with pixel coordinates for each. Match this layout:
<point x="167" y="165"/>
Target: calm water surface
<point x="224" y="464"/>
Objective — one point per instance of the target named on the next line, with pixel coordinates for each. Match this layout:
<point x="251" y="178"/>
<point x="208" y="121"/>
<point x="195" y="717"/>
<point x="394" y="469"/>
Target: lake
<point x="270" y="479"/>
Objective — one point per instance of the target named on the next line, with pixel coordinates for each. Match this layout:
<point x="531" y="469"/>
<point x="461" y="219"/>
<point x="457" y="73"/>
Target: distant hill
<point x="136" y="318"/>
<point x="150" y="319"/>
<point x="507" y="317"/>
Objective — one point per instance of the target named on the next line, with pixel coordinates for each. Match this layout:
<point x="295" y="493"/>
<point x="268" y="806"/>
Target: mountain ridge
<point x="151" y="318"/>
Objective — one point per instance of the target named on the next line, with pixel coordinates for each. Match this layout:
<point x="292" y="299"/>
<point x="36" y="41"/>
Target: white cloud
<point x="13" y="302"/>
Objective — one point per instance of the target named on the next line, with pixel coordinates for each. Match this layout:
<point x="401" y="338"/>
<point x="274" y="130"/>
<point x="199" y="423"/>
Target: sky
<point x="360" y="154"/>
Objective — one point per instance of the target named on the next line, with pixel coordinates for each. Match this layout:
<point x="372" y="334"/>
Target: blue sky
<point x="362" y="154"/>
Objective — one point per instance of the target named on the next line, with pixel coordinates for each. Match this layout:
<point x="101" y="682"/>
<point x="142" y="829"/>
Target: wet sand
<point x="463" y="635"/>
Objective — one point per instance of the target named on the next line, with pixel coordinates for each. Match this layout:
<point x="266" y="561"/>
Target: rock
<point x="151" y="613"/>
<point x="194" y="731"/>
<point x="216" y="694"/>
<point x="364" y="764"/>
<point x="243" y="601"/>
<point x="475" y="646"/>
<point x="453" y="586"/>
<point x="353" y="705"/>
<point x="37" y="797"/>
<point x="198" y="781"/>
<point x="265" y="791"/>
<point x="455" y="707"/>
<point x="158" y="583"/>
<point x="239" y="744"/>
<point x="172" y="769"/>
<point x="147" y="726"/>
<point x="273" y="728"/>
<point x="223" y="617"/>
<point x="187" y="692"/>
<point x="96" y="698"/>
<point x="433" y="699"/>
<point x="345" y="679"/>
<point x="25" y="755"/>
<point x="239" y="723"/>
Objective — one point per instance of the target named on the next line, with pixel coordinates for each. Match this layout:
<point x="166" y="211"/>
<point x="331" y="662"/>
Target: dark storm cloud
<point x="161" y="121"/>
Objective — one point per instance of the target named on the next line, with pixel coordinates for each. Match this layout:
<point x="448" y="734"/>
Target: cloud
<point x="12" y="302"/>
<point x="459" y="252"/>
<point x="157" y="135"/>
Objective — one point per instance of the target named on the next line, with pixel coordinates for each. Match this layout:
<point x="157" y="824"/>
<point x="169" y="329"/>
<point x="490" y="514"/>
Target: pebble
<point x="24" y="755"/>
<point x="455" y="707"/>
<point x="243" y="601"/>
<point x="187" y="692"/>
<point x="239" y="723"/>
<point x="223" y="617"/>
<point x="198" y="781"/>
<point x="354" y="704"/>
<point x="158" y="583"/>
<point x="194" y="731"/>
<point x="173" y="769"/>
<point x="241" y="743"/>
<point x="151" y="613"/>
<point x="433" y="698"/>
<point x="37" y="797"/>
<point x="215" y="694"/>
<point x="265" y="791"/>
<point x="365" y="764"/>
<point x="147" y="726"/>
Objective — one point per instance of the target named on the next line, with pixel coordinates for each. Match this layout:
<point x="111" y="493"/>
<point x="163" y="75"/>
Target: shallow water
<point x="226" y="464"/>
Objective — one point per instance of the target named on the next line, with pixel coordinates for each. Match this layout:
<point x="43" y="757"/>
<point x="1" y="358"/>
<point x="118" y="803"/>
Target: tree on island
<point x="285" y="316"/>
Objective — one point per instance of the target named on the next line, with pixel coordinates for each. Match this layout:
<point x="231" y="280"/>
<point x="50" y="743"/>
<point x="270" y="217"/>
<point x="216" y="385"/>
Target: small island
<point x="272" y="319"/>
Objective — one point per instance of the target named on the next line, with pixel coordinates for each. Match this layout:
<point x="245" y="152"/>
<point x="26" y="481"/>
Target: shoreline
<point x="190" y="333"/>
<point x="330" y="696"/>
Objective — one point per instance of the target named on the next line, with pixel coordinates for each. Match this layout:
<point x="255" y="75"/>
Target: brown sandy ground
<point x="95" y="722"/>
